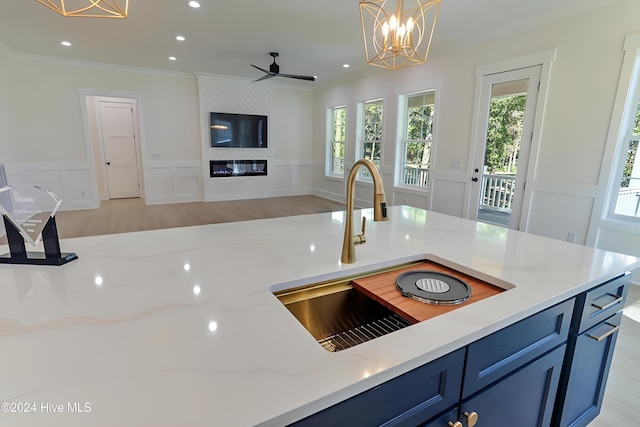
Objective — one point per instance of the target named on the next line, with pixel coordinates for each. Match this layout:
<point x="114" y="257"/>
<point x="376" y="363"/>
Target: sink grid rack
<point x="364" y="333"/>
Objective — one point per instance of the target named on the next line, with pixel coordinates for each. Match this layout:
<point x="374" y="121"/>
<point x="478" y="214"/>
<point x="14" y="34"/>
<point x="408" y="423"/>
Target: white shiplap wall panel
<point x="238" y="96"/>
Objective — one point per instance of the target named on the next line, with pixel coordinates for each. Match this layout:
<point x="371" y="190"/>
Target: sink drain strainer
<point x="433" y="287"/>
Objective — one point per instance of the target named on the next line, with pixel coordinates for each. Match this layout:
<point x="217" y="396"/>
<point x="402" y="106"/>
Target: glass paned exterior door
<point x="508" y="109"/>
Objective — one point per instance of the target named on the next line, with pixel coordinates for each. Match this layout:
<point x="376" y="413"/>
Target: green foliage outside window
<point x="631" y="153"/>
<point x="372" y="142"/>
<point x="420" y="135"/>
<point x="373" y="121"/>
<point x="506" y="115"/>
<point x="338" y="130"/>
<point x="418" y="139"/>
<point x="339" y="123"/>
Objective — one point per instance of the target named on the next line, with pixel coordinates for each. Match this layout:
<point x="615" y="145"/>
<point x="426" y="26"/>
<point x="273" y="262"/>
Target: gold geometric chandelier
<point x="89" y="8"/>
<point x="397" y="37"/>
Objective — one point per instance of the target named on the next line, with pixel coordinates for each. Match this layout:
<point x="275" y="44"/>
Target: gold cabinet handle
<point x="472" y="418"/>
<point x="456" y="424"/>
<point x="618" y="299"/>
<point x="614" y="329"/>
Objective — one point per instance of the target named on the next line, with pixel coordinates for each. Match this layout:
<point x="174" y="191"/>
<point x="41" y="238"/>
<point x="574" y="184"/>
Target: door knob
<point x="472" y="418"/>
<point x="474" y="179"/>
<point x="108" y="163"/>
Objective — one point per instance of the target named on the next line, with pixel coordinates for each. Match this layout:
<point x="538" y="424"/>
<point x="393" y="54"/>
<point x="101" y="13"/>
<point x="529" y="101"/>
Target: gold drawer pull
<point x="472" y="418"/>
<point x="614" y="329"/>
<point x="611" y="304"/>
<point x="456" y="424"/>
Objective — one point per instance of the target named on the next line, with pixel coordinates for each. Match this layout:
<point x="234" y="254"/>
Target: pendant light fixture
<point x="89" y="8"/>
<point x="397" y="34"/>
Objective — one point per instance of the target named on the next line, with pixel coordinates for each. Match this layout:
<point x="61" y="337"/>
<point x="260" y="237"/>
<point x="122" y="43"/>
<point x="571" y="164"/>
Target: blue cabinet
<point x="512" y="376"/>
<point x="407" y="400"/>
<point x="524" y="398"/>
<point x="590" y="351"/>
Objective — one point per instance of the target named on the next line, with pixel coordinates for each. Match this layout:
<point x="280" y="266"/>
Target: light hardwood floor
<point x="125" y="215"/>
<point x="622" y="397"/>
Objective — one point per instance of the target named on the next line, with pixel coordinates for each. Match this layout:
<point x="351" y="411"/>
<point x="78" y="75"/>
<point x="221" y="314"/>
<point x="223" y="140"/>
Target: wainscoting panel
<point x="236" y="188"/>
<point x="558" y="209"/>
<point x="187" y="181"/>
<point x="172" y="182"/>
<point x="295" y="176"/>
<point x="71" y="181"/>
<point x="282" y="176"/>
<point x="158" y="183"/>
<point x="447" y="196"/>
<point x="74" y="183"/>
<point x="410" y="198"/>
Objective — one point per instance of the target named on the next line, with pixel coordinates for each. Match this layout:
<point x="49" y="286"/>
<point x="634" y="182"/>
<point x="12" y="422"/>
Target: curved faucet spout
<point x="379" y="208"/>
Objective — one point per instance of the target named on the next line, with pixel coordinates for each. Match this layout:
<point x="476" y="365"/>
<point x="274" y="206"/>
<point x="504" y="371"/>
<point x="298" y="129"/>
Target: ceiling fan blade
<point x="295" y="76"/>
<point x="262" y="69"/>
<point x="266" y="76"/>
<point x="274" y="71"/>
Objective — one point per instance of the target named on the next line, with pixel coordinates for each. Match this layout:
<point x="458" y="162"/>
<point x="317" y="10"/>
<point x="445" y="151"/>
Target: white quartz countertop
<point x="179" y="327"/>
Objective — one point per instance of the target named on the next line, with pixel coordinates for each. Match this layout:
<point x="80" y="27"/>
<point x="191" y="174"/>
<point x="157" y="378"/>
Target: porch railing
<point x="415" y="176"/>
<point x="497" y="192"/>
<point x="628" y="202"/>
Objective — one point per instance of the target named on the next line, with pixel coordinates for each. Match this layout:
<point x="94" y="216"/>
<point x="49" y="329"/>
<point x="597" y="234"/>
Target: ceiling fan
<point x="274" y="71"/>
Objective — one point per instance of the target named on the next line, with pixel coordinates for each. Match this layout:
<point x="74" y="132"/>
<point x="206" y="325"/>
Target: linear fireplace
<point x="222" y="168"/>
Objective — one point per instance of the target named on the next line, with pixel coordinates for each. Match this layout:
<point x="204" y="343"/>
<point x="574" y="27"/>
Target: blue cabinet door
<point x="405" y="401"/>
<point x="443" y="420"/>
<point x="588" y="373"/>
<point x="524" y="399"/>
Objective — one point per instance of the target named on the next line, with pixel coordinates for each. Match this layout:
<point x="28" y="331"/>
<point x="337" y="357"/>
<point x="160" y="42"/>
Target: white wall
<point x="582" y="87"/>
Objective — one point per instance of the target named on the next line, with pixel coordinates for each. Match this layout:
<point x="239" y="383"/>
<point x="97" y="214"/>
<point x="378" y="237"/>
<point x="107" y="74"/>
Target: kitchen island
<point x="180" y="327"/>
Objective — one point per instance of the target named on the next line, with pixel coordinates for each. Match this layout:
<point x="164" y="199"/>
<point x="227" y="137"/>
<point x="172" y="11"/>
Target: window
<point x="628" y="195"/>
<point x="625" y="186"/>
<point x="371" y="143"/>
<point x="337" y="127"/>
<point x="417" y="139"/>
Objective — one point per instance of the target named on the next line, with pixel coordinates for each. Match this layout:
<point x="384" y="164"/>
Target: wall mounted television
<point x="238" y="130"/>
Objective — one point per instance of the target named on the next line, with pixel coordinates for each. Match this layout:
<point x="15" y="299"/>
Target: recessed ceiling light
<point x="65" y="43"/>
<point x="180" y="38"/>
<point x="172" y="58"/>
<point x="345" y="66"/>
<point x="194" y="4"/>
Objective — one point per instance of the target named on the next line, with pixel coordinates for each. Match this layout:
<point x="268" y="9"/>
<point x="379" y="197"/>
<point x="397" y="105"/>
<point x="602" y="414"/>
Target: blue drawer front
<point x="604" y="301"/>
<point x="407" y="400"/>
<point x="502" y="352"/>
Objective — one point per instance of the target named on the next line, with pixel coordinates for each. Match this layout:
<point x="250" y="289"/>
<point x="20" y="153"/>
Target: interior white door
<point x="506" y="116"/>
<point x="120" y="154"/>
